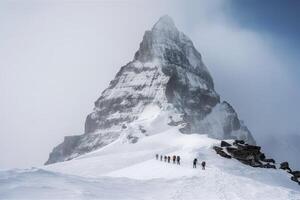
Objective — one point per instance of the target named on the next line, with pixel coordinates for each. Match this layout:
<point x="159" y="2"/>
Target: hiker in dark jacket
<point x="195" y="163"/>
<point x="161" y="157"/>
<point x="156" y="156"/>
<point x="178" y="160"/>
<point x="203" y="165"/>
<point x="169" y="159"/>
<point x="174" y="159"/>
<point x="165" y="158"/>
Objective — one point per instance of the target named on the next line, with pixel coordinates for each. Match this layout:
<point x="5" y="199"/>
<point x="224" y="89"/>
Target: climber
<point x="156" y="156"/>
<point x="195" y="163"/>
<point x="174" y="159"/>
<point x="203" y="165"/>
<point x="178" y="160"/>
<point x="165" y="158"/>
<point x="169" y="159"/>
<point x="161" y="157"/>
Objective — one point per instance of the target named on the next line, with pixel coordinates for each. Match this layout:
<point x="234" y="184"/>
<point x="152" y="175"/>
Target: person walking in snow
<point x="203" y="165"/>
<point x="156" y="156"/>
<point x="195" y="163"/>
<point x="174" y="159"/>
<point x="165" y="158"/>
<point x="178" y="160"/>
<point x="169" y="159"/>
<point x="161" y="157"/>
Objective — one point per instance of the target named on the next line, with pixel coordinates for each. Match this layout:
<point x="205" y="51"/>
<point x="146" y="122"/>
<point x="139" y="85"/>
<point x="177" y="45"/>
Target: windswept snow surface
<point x="129" y="171"/>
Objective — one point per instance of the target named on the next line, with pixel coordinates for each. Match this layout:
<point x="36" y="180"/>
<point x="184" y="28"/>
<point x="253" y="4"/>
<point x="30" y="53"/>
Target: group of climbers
<point x="176" y="159"/>
<point x="195" y="161"/>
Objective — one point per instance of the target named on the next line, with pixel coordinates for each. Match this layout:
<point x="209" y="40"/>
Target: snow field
<point x="130" y="171"/>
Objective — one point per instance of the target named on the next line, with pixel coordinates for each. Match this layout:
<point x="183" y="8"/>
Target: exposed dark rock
<point x="269" y="160"/>
<point x="216" y="148"/>
<point x="251" y="147"/>
<point x="247" y="154"/>
<point x="238" y="142"/>
<point x="251" y="155"/>
<point x="221" y="152"/>
<point x="268" y="165"/>
<point x="225" y="144"/>
<point x="296" y="173"/>
<point x="284" y="166"/>
<point x="294" y="178"/>
<point x="262" y="156"/>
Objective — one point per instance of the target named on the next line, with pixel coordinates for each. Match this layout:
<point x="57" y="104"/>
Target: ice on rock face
<point x="168" y="73"/>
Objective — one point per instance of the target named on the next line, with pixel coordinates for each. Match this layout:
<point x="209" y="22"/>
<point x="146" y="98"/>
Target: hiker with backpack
<point x="195" y="163"/>
<point x="203" y="165"/>
<point x="178" y="160"/>
<point x="174" y="159"/>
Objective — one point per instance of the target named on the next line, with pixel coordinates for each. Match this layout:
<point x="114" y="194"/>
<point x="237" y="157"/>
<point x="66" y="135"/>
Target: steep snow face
<point x="167" y="73"/>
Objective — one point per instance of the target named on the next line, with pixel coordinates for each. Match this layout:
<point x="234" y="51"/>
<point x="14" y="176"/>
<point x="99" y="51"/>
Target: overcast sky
<point x="56" y="57"/>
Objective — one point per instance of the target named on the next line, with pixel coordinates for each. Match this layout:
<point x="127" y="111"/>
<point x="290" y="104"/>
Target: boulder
<point x="285" y="166"/>
<point x="296" y="174"/>
<point x="225" y="144"/>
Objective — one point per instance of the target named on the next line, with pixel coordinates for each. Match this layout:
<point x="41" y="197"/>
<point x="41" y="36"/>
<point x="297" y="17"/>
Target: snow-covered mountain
<point x="167" y="77"/>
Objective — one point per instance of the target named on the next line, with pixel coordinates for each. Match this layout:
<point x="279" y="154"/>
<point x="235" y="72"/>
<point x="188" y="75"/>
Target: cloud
<point x="250" y="73"/>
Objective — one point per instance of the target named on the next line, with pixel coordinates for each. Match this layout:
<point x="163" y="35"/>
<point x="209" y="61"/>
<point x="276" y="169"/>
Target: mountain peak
<point x="163" y="38"/>
<point x="165" y="23"/>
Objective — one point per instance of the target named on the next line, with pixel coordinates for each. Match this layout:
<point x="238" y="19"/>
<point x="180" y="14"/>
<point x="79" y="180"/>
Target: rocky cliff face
<point x="167" y="71"/>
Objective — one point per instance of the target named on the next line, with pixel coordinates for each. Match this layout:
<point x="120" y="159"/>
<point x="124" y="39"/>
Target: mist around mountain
<point x="283" y="148"/>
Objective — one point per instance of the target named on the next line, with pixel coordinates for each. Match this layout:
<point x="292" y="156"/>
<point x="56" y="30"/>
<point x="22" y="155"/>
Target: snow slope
<point x="124" y="170"/>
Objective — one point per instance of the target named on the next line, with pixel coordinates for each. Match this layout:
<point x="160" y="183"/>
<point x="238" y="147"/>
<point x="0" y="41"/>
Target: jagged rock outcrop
<point x="167" y="71"/>
<point x="295" y="174"/>
<point x="245" y="153"/>
<point x="285" y="166"/>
